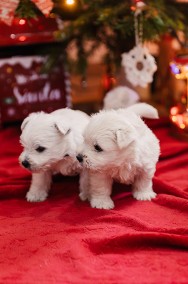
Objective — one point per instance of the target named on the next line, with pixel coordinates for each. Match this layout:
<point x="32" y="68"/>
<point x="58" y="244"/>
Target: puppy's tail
<point x="144" y="110"/>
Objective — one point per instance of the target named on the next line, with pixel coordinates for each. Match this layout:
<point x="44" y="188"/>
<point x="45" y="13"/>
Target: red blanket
<point x="64" y="240"/>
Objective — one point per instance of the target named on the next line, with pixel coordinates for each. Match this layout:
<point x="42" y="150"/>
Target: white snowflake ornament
<point x="139" y="66"/>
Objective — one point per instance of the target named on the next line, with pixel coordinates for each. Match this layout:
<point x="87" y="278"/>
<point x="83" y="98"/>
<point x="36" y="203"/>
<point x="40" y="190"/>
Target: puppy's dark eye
<point x="98" y="148"/>
<point x="40" y="149"/>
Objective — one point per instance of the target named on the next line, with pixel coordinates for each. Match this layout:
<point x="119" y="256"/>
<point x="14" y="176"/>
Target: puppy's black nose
<point x="26" y="164"/>
<point x="79" y="157"/>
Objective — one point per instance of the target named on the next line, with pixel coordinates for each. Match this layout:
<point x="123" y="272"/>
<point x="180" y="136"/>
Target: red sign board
<point x="25" y="89"/>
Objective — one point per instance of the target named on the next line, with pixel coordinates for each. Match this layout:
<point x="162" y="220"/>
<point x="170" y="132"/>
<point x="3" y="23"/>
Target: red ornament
<point x="137" y="1"/>
<point x="108" y="82"/>
<point x="137" y="6"/>
<point x="25" y="31"/>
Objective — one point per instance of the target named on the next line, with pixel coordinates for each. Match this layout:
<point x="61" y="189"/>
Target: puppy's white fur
<point x="50" y="143"/>
<point x="120" y="97"/>
<point x="119" y="146"/>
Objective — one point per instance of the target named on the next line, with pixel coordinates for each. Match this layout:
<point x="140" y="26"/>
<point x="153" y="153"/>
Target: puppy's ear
<point x="28" y="118"/>
<point x="62" y="127"/>
<point x="124" y="137"/>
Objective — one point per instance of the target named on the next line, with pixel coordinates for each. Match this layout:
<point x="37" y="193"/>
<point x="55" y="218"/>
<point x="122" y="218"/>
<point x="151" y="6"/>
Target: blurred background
<point x="72" y="53"/>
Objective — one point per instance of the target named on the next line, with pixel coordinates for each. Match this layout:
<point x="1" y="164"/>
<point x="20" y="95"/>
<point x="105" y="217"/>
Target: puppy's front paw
<point x="102" y="203"/>
<point x="36" y="196"/>
<point x="144" y="195"/>
<point x="83" y="196"/>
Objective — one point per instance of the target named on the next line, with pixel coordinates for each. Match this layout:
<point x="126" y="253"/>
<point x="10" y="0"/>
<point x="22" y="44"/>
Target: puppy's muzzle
<point x="26" y="164"/>
<point x="79" y="157"/>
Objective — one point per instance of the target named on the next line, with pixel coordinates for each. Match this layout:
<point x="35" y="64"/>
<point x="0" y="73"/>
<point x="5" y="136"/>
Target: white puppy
<point x="50" y="143"/>
<point x="119" y="146"/>
<point x="120" y="97"/>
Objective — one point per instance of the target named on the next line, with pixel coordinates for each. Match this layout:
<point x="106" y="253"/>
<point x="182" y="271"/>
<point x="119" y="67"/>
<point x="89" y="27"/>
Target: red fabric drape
<point x="64" y="240"/>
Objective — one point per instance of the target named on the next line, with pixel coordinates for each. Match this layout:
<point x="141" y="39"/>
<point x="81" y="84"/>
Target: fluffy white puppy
<point x="50" y="143"/>
<point x="120" y="97"/>
<point x="119" y="146"/>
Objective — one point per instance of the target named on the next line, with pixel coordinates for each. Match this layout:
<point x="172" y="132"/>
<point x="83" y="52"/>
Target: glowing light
<point x="180" y="120"/>
<point x="12" y="36"/>
<point x="22" y="38"/>
<point x="174" y="110"/>
<point x="179" y="114"/>
<point x="182" y="125"/>
<point x="174" y="68"/>
<point x="22" y="22"/>
<point x="70" y="2"/>
<point x="133" y="8"/>
<point x="174" y="118"/>
<point x="11" y="111"/>
<point x="9" y="70"/>
<point x="179" y="69"/>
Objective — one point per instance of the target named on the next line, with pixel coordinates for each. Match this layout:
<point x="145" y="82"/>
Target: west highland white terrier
<point x="50" y="144"/>
<point x="119" y="146"/>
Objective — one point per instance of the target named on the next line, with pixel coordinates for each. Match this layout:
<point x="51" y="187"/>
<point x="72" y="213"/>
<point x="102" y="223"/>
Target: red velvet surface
<point x="64" y="240"/>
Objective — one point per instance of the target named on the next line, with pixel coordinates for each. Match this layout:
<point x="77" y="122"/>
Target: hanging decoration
<point x="7" y="9"/>
<point x="45" y="6"/>
<point x="138" y="63"/>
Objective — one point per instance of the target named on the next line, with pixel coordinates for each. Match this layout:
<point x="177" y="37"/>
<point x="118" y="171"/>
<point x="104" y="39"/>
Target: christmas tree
<point x="110" y="23"/>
